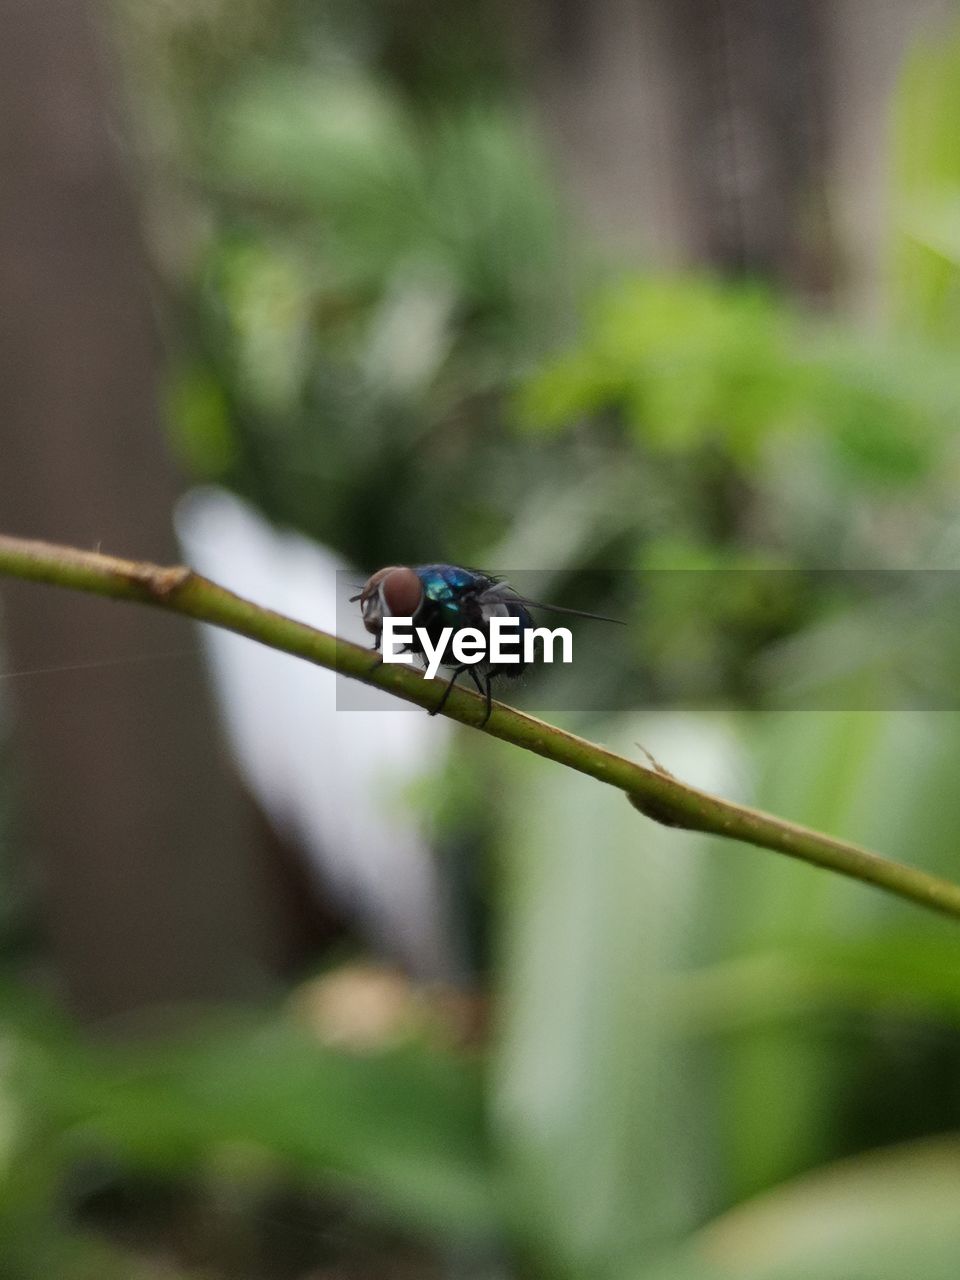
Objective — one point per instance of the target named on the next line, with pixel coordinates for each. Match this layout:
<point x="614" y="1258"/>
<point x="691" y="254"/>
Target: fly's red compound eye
<point x="402" y="592"/>
<point x="394" y="591"/>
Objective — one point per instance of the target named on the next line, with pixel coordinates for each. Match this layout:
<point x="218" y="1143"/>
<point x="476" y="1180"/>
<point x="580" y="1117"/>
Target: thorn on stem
<point x="658" y="767"/>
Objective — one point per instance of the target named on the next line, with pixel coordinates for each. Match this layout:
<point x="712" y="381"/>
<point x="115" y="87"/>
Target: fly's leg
<point x="483" y="689"/>
<point x="446" y="693"/>
<point x="377" y="661"/>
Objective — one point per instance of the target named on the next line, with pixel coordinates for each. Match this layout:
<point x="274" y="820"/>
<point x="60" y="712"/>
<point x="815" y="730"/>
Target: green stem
<point x="651" y="790"/>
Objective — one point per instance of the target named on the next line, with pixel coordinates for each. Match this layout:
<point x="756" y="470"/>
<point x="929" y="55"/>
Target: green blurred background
<point x="567" y="285"/>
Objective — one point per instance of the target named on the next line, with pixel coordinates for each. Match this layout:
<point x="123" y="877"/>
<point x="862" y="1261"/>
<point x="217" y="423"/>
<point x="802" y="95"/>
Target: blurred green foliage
<point x="359" y="269"/>
<point x="927" y="241"/>
<point x="690" y="364"/>
<point x="385" y="333"/>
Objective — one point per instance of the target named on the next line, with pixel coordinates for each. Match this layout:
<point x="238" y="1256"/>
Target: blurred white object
<point x="332" y="782"/>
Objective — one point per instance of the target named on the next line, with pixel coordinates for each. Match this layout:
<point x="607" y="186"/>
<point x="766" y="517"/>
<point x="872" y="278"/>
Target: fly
<point x="439" y="596"/>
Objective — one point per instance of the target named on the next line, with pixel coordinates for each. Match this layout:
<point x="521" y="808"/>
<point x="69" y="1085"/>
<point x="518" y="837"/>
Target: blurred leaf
<point x="684" y="360"/>
<point x="687" y="362"/>
<point x="198" y="414"/>
<point x="785" y="1085"/>
<point x="465" y="196"/>
<point x="894" y="973"/>
<point x="927" y="179"/>
<point x="879" y="1217"/>
<point x="405" y="1126"/>
<point x="593" y="1099"/>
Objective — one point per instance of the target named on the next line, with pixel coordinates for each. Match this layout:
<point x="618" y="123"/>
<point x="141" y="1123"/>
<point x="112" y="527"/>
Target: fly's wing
<point x="494" y="601"/>
<point x="573" y="613"/>
<point x="498" y="601"/>
<point x="501" y="593"/>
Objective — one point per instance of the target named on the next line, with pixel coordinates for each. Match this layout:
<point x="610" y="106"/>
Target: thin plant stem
<point x="650" y="789"/>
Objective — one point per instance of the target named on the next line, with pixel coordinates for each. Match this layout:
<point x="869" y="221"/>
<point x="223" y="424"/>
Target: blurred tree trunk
<point x="150" y="881"/>
<point x="750" y="135"/>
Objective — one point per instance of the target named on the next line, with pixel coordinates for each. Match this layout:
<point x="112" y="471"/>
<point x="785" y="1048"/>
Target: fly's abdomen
<point x="514" y="637"/>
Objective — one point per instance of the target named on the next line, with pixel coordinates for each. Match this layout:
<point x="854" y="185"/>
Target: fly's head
<point x="394" y="592"/>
